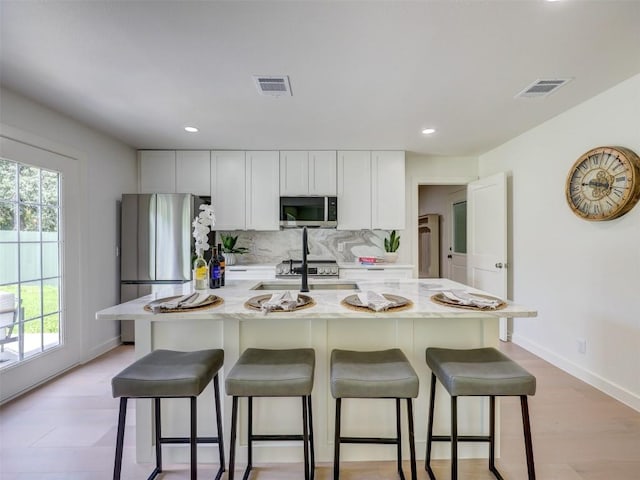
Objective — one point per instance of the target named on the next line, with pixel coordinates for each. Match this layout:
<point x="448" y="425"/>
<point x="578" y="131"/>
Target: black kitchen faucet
<point x="304" y="287"/>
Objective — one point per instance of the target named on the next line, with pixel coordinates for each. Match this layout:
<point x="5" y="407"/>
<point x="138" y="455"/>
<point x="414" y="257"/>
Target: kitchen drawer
<point x="250" y="272"/>
<point x="376" y="272"/>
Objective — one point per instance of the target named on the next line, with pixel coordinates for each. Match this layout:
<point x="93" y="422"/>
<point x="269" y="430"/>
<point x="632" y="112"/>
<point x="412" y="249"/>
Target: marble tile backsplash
<point x="341" y="245"/>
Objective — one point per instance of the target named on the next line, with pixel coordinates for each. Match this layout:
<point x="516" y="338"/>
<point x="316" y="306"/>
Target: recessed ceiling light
<point x="428" y="131"/>
<point x="191" y="129"/>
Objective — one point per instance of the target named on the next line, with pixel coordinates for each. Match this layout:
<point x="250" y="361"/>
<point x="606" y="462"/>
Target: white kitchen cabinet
<point x="262" y="190"/>
<point x="371" y="190"/>
<point x="228" y="182"/>
<point x="376" y="272"/>
<point x="193" y="172"/>
<point x="387" y="190"/>
<point x="354" y="190"/>
<point x="308" y="173"/>
<point x="157" y="171"/>
<point x="250" y="272"/>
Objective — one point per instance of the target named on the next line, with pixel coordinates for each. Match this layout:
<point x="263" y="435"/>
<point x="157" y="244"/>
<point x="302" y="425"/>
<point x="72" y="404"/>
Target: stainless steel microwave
<point x="309" y="212"/>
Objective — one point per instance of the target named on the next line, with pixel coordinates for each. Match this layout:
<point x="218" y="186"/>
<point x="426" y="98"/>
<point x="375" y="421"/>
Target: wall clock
<point x="604" y="183"/>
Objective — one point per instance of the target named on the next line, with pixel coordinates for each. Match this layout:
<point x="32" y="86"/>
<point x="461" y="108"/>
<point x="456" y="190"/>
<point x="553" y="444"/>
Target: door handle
<point x="500" y="265"/>
<point x="449" y="256"/>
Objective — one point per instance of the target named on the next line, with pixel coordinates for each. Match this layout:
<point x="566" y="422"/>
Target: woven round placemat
<point x="216" y="303"/>
<point x="359" y="308"/>
<point x="437" y="298"/>
<point x="310" y="302"/>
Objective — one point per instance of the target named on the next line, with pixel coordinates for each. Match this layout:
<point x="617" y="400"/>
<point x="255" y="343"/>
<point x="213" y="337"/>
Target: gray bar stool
<point x="272" y="373"/>
<point x="170" y="374"/>
<point x="482" y="372"/>
<point x="377" y="374"/>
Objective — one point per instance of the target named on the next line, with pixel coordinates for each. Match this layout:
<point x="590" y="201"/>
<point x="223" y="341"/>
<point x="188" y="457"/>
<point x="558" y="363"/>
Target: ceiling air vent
<point x="273" y="86"/>
<point x="542" y="88"/>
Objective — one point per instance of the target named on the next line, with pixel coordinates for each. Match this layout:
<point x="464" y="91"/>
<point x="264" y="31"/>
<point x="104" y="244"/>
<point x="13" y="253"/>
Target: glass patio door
<point x="39" y="265"/>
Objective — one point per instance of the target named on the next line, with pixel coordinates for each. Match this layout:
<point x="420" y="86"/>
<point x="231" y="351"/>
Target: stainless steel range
<point x="317" y="268"/>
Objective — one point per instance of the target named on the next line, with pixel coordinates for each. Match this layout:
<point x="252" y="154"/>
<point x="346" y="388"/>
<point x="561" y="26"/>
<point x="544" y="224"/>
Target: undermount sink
<point x="312" y="286"/>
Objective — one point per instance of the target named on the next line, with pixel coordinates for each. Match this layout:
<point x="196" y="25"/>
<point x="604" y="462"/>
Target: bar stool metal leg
<point x="313" y="456"/>
<point x="192" y="439"/>
<point x="232" y="448"/>
<point x="158" y="439"/>
<point x="305" y="437"/>
<point x="120" y="438"/>
<point x="216" y="391"/>
<point x="432" y="403"/>
<point x="454" y="438"/>
<point x="398" y="438"/>
<point x="412" y="444"/>
<point x="524" y="404"/>
<point x="336" y="442"/>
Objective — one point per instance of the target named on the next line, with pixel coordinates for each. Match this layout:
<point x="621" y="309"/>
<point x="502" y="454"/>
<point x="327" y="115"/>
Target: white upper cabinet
<point x="228" y="171"/>
<point x="371" y="190"/>
<point x="193" y="172"/>
<point x="354" y="190"/>
<point x="157" y="171"/>
<point x="387" y="190"/>
<point x="262" y="190"/>
<point x="308" y="173"/>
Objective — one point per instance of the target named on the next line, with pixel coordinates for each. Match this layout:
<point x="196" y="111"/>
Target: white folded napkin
<point x="374" y="300"/>
<point x="186" y="301"/>
<point x="281" y="300"/>
<point x="464" y="298"/>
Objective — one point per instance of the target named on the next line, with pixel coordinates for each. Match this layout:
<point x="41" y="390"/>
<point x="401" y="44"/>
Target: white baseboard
<point x="619" y="393"/>
<point x="101" y="349"/>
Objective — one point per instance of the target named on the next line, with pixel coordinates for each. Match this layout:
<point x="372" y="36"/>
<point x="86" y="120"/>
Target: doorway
<point x="439" y="200"/>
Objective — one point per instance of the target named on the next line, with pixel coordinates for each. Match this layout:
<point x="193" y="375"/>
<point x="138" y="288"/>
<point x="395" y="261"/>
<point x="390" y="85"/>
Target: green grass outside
<point x="31" y="306"/>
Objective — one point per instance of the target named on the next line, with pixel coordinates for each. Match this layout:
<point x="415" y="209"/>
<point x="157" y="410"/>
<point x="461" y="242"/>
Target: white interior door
<point x="456" y="236"/>
<point x="487" y="237"/>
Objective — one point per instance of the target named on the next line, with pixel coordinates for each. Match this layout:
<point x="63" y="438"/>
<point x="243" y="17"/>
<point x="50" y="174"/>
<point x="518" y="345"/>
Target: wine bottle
<point x="200" y="273"/>
<point x="223" y="264"/>
<point x="214" y="270"/>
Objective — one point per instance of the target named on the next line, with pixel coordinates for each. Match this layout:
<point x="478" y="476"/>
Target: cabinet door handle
<point x="501" y="265"/>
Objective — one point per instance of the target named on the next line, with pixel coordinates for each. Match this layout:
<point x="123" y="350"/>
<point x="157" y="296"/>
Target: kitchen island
<point x="326" y="325"/>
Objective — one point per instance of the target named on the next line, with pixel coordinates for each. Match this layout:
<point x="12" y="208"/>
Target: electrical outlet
<point x="582" y="345"/>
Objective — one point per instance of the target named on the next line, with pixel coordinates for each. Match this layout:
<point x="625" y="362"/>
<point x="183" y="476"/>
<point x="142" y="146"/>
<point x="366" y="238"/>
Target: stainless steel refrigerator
<point x="155" y="245"/>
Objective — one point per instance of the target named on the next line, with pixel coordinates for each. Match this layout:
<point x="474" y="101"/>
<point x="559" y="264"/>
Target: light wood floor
<point x="65" y="430"/>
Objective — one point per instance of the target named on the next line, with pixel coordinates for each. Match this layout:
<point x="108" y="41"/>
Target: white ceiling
<point x="364" y="74"/>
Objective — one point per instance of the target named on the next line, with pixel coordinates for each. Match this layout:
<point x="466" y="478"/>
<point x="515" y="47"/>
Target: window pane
<point x="51" y="331"/>
<point x="32" y="337"/>
<point x="50" y="259"/>
<point x="51" y="297"/>
<point x="31" y="295"/>
<point x="9" y="263"/>
<point x="8" y="177"/>
<point x="49" y="223"/>
<point x="8" y="229"/>
<point x="29" y="186"/>
<point x="30" y="261"/>
<point x="460" y="227"/>
<point x="50" y="183"/>
<point x="29" y="222"/>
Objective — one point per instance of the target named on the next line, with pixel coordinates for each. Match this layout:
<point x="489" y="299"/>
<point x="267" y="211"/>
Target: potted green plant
<point x="230" y="250"/>
<point x="391" y="245"/>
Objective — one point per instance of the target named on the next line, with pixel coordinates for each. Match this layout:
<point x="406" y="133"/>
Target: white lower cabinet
<point x="250" y="272"/>
<point x="376" y="272"/>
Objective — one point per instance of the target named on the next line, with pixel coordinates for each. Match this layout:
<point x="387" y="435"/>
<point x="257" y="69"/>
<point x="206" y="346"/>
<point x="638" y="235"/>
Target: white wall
<point x="581" y="276"/>
<point x="108" y="168"/>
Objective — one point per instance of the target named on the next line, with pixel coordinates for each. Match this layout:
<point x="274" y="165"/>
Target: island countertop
<point x="327" y="302"/>
<point x="324" y="327"/>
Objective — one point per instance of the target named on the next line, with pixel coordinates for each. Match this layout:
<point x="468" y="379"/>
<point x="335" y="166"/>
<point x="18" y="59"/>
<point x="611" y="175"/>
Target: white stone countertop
<point x="237" y="292"/>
